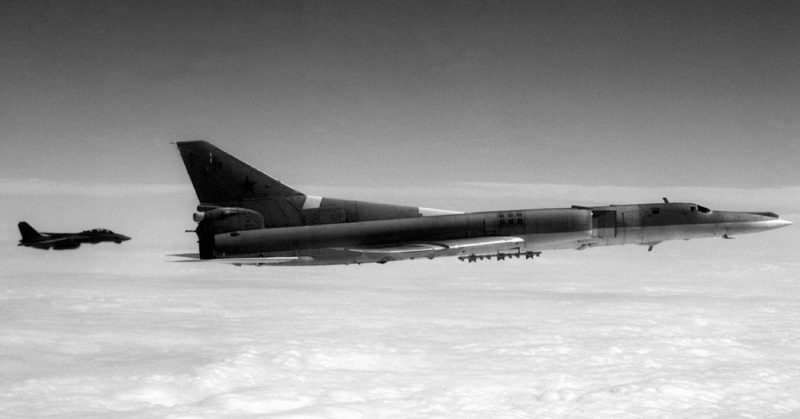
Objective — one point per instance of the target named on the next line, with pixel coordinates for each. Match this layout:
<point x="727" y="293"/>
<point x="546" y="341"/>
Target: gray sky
<point x="384" y="93"/>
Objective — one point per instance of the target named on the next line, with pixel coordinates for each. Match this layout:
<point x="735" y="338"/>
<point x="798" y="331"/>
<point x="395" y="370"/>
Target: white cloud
<point x="615" y="332"/>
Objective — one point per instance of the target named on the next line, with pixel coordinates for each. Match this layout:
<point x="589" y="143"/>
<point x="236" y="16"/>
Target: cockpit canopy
<point x="99" y="231"/>
<point x="699" y="208"/>
<point x="685" y="208"/>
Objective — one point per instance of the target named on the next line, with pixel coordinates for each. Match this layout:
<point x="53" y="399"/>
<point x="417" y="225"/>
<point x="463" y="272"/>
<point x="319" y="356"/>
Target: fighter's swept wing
<point x="58" y="240"/>
<point x="65" y="242"/>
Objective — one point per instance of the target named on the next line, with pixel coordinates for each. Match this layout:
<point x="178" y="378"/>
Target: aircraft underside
<point x="526" y="247"/>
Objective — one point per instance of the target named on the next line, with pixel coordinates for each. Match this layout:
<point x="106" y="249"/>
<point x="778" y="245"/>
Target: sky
<point x="380" y="94"/>
<point x="460" y="105"/>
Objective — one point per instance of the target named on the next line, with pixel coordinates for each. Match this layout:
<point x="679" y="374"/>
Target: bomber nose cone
<point x="771" y="221"/>
<point x="779" y="223"/>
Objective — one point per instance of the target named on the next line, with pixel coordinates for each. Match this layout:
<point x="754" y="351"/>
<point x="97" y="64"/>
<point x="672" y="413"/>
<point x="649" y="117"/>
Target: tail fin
<point x="221" y="179"/>
<point x="28" y="232"/>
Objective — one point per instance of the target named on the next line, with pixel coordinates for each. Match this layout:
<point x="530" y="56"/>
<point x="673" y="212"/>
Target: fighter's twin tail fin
<point x="221" y="179"/>
<point x="28" y="232"/>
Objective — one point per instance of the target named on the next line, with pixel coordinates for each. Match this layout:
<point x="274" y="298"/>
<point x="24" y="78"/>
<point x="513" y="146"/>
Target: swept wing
<point x="495" y="242"/>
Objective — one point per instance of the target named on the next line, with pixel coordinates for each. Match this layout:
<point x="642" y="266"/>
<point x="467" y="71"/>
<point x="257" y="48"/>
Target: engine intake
<point x="223" y="220"/>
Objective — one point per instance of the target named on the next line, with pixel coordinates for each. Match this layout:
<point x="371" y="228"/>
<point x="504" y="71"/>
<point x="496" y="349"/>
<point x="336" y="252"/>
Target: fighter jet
<point x="63" y="241"/>
<point x="246" y="217"/>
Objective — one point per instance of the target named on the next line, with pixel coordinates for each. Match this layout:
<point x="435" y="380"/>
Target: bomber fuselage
<point x="248" y="217"/>
<point x="540" y="229"/>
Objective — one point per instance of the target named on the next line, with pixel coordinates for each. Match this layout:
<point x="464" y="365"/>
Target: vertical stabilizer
<point x="221" y="179"/>
<point x="28" y="232"/>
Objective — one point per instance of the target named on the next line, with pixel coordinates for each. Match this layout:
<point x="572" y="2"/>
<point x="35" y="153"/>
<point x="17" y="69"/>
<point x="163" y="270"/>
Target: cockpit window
<point x="703" y="209"/>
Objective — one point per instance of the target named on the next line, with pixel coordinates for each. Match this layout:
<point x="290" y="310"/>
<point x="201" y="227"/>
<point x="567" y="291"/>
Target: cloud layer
<point x="615" y="332"/>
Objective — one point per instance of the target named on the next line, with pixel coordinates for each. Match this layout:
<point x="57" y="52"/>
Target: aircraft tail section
<point x="28" y="232"/>
<point x="221" y="179"/>
<point x="223" y="182"/>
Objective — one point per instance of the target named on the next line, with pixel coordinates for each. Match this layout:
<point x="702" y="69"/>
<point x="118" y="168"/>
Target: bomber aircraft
<point x="246" y="217"/>
<point x="62" y="241"/>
